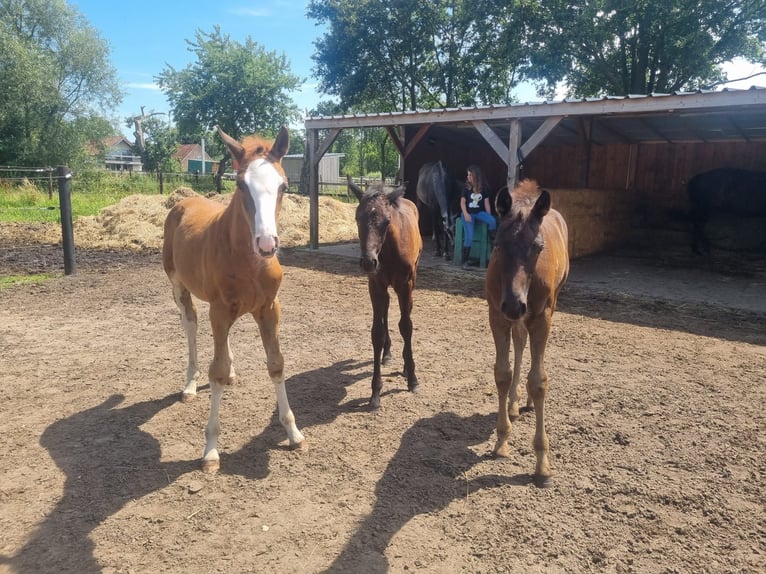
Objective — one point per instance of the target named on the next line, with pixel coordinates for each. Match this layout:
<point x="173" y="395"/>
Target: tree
<point x="159" y="145"/>
<point x="242" y="88"/>
<point x="402" y="55"/>
<point x="621" y="47"/>
<point x="57" y="82"/>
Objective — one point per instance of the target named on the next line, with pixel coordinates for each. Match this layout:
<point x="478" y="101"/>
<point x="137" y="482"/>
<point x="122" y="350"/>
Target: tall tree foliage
<point x="622" y="47"/>
<point x="57" y="82"/>
<point x="390" y="55"/>
<point x="387" y="55"/>
<point x="241" y="87"/>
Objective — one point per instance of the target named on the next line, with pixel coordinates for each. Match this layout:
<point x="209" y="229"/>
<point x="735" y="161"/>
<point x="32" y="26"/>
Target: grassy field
<point x="35" y="201"/>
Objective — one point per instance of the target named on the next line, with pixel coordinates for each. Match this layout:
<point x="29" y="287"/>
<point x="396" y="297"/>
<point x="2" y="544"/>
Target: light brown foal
<point x="529" y="265"/>
<point x="226" y="256"/>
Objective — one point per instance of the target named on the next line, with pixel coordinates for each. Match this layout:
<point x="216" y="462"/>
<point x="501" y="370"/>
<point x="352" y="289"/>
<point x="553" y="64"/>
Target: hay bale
<point x="137" y="221"/>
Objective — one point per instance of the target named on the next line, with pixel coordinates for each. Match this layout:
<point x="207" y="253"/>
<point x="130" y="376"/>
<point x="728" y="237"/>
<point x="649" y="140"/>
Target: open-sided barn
<point x="617" y="166"/>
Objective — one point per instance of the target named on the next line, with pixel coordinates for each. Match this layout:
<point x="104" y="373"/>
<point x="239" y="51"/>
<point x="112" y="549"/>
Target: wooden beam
<point x="585" y="127"/>
<point x="491" y="138"/>
<point x="312" y="157"/>
<point x="540" y="134"/>
<point x="328" y="141"/>
<point x="392" y="133"/>
<point x="422" y="130"/>
<point x="514" y="141"/>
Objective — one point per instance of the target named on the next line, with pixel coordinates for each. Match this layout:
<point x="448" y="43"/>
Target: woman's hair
<point x="478" y="177"/>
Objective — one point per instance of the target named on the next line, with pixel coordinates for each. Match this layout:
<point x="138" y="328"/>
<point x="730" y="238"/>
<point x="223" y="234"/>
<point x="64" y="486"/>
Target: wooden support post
<point x="65" y="208"/>
<point x="312" y="139"/>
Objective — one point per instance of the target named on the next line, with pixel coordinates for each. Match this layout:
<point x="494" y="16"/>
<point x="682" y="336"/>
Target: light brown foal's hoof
<point x="210" y="466"/>
<point x="299" y="446"/>
<point x="188" y="397"/>
<point x="501" y="450"/>
<point x="543" y="481"/>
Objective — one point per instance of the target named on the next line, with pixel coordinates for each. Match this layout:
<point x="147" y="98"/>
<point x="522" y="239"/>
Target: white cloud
<point x="252" y="12"/>
<point x="143" y="86"/>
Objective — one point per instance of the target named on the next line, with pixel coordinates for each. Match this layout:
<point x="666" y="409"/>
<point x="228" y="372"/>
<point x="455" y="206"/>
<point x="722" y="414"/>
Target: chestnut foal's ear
<point x="281" y="144"/>
<point x="503" y="202"/>
<point x="235" y="148"/>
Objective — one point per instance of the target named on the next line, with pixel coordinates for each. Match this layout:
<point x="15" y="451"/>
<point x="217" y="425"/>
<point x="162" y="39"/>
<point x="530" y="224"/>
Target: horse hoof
<point x="188" y="397"/>
<point x="300" y="446"/>
<point x="374" y="404"/>
<point x="501" y="450"/>
<point x="210" y="466"/>
<point x="543" y="481"/>
<point x="385" y="360"/>
<point x="414" y="388"/>
<point x="523" y="410"/>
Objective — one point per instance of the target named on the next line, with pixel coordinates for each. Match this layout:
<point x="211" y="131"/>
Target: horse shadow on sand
<point x="317" y="398"/>
<point x="425" y="475"/>
<point x="108" y="461"/>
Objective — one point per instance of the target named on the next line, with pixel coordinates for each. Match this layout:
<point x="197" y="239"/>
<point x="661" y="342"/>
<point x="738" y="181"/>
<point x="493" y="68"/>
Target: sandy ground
<point x="655" y="419"/>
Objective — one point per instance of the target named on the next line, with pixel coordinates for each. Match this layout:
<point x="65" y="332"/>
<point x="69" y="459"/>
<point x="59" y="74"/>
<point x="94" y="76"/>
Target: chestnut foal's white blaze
<point x="264" y="184"/>
<point x="225" y="256"/>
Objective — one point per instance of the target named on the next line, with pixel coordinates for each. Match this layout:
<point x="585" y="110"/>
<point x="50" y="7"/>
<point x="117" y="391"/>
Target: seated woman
<point x="475" y="206"/>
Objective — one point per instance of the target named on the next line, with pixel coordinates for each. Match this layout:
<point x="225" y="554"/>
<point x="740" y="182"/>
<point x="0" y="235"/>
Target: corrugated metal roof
<point x="700" y="116"/>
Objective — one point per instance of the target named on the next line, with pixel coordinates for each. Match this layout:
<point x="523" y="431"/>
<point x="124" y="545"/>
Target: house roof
<point x="701" y="116"/>
<point x="190" y="151"/>
<point x="96" y="147"/>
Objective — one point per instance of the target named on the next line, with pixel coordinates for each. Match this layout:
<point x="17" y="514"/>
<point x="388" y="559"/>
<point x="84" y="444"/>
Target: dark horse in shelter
<point x="437" y="193"/>
<point x="528" y="267"/>
<point x="390" y="241"/>
<point x="724" y="191"/>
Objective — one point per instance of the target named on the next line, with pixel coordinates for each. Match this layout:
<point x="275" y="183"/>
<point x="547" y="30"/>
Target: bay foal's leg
<point x="537" y="388"/>
<point x="519" y="335"/>
<point x="268" y="325"/>
<point x="501" y="334"/>
<point x="185" y="303"/>
<point x="379" y="335"/>
<point x="405" y="329"/>
<point x="220" y="374"/>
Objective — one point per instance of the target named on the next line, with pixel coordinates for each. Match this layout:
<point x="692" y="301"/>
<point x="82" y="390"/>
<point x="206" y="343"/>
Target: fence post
<point x="65" y="207"/>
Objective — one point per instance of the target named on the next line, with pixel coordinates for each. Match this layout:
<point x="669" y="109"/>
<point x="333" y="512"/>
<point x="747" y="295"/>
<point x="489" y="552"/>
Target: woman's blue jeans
<point x="468" y="226"/>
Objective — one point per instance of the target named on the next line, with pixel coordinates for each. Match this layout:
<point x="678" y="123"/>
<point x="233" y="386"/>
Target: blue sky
<point x="145" y="36"/>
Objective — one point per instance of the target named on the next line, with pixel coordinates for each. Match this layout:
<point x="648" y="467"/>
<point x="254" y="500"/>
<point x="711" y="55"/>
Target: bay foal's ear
<point x="542" y="205"/>
<point x="235" y="148"/>
<point x="281" y="144"/>
<point x="395" y="194"/>
<point x="503" y="202"/>
<point x="355" y="188"/>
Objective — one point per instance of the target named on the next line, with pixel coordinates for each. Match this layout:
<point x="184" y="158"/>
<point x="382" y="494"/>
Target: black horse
<point x="437" y="193"/>
<point x="724" y="191"/>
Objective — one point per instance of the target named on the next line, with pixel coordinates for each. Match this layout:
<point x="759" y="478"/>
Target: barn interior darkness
<point x="648" y="158"/>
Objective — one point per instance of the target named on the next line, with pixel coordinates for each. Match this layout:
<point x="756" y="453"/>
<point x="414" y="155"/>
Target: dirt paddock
<point x="656" y="421"/>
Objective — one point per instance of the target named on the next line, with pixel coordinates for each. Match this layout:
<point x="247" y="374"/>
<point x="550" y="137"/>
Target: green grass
<point x="91" y="191"/>
<point x="9" y="281"/>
